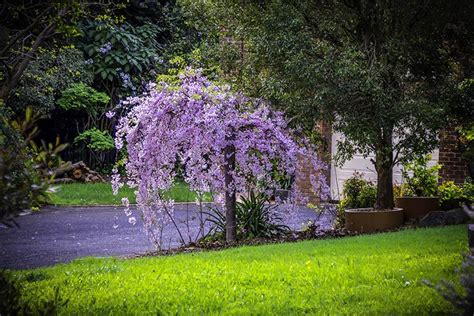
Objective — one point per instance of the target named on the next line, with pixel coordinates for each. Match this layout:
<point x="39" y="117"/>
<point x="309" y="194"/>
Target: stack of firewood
<point x="76" y="172"/>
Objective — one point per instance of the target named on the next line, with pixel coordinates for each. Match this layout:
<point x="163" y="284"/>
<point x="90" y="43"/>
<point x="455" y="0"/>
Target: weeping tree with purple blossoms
<point x="226" y="144"/>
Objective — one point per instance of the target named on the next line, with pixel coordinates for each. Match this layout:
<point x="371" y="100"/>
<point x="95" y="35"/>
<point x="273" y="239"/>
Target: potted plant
<point x="357" y="205"/>
<point x="420" y="189"/>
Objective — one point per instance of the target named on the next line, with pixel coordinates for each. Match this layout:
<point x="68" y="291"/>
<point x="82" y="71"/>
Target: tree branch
<point x="20" y="68"/>
<point x="23" y="32"/>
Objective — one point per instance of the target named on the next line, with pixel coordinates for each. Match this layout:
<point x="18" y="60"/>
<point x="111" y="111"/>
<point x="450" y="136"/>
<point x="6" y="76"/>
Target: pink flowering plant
<point x="226" y="144"/>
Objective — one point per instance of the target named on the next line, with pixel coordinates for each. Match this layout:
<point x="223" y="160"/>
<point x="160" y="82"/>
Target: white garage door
<point x="362" y="165"/>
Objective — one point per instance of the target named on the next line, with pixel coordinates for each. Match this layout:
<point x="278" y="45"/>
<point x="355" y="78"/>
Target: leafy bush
<point x="255" y="218"/>
<point x="96" y="139"/>
<point x="82" y="97"/>
<point x="20" y="183"/>
<point x="452" y="195"/>
<point x="465" y="300"/>
<point x="397" y="191"/>
<point x="46" y="157"/>
<point x="11" y="303"/>
<point x="358" y="193"/>
<point x="420" y="180"/>
<point x="47" y="76"/>
<point x="468" y="190"/>
<point x="9" y="295"/>
<point x="126" y="47"/>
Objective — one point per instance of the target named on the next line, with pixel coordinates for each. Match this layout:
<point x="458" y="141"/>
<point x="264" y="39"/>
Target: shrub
<point x="20" y="183"/>
<point x="452" y="195"/>
<point x="49" y="74"/>
<point x="46" y="157"/>
<point x="11" y="303"/>
<point x="397" y="191"/>
<point x="9" y="295"/>
<point x="358" y="193"/>
<point x="464" y="300"/>
<point x="420" y="180"/>
<point x="80" y="96"/>
<point x="96" y="140"/>
<point x="255" y="218"/>
<point x="468" y="190"/>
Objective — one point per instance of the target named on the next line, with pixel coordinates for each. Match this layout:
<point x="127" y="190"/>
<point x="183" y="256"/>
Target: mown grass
<point x="101" y="194"/>
<point x="372" y="274"/>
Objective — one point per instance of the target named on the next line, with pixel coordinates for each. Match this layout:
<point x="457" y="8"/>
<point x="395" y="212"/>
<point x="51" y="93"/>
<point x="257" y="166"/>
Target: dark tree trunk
<point x="384" y="187"/>
<point x="384" y="168"/>
<point x="230" y="196"/>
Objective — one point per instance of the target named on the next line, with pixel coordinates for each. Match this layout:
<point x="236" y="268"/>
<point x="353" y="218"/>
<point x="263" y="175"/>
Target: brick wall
<point x="454" y="167"/>
<point x="302" y="180"/>
<point x="305" y="170"/>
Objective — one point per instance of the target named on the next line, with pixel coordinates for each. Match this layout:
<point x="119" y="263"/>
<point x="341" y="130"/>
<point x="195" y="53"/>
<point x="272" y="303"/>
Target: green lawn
<point x="101" y="194"/>
<point x="372" y="274"/>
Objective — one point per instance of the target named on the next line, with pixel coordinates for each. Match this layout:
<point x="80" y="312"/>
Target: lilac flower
<point x="125" y="202"/>
<point x="104" y="49"/>
<point x="126" y="81"/>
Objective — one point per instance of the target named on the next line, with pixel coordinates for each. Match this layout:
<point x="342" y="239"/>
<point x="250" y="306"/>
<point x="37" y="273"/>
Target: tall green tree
<point x="381" y="72"/>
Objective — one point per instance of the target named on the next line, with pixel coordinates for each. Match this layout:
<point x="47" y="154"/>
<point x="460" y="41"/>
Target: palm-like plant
<point x="256" y="218"/>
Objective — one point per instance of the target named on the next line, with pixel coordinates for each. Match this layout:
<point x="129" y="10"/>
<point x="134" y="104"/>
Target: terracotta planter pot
<point x="368" y="220"/>
<point x="417" y="207"/>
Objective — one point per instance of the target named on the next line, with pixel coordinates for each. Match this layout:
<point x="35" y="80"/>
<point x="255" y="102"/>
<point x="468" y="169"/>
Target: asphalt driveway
<point x="61" y="234"/>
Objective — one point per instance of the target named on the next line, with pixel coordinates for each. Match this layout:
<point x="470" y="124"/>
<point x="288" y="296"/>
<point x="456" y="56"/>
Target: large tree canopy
<point x="382" y="72"/>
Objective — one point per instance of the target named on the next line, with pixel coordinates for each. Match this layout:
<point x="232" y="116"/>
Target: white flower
<point x="125" y="202"/>
<point x="132" y="220"/>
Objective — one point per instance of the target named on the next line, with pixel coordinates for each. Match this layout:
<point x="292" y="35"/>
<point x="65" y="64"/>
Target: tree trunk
<point x="230" y="196"/>
<point x="19" y="68"/>
<point x="384" y="168"/>
<point x="384" y="187"/>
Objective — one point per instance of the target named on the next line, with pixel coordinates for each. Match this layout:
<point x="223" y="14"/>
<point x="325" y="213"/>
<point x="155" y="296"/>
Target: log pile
<point x="76" y="172"/>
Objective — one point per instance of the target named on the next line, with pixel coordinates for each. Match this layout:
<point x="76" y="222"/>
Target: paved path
<point x="61" y="234"/>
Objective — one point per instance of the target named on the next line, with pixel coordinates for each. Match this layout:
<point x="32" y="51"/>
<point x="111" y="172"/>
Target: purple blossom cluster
<point x="192" y="124"/>
<point x="104" y="49"/>
<point x="126" y="81"/>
